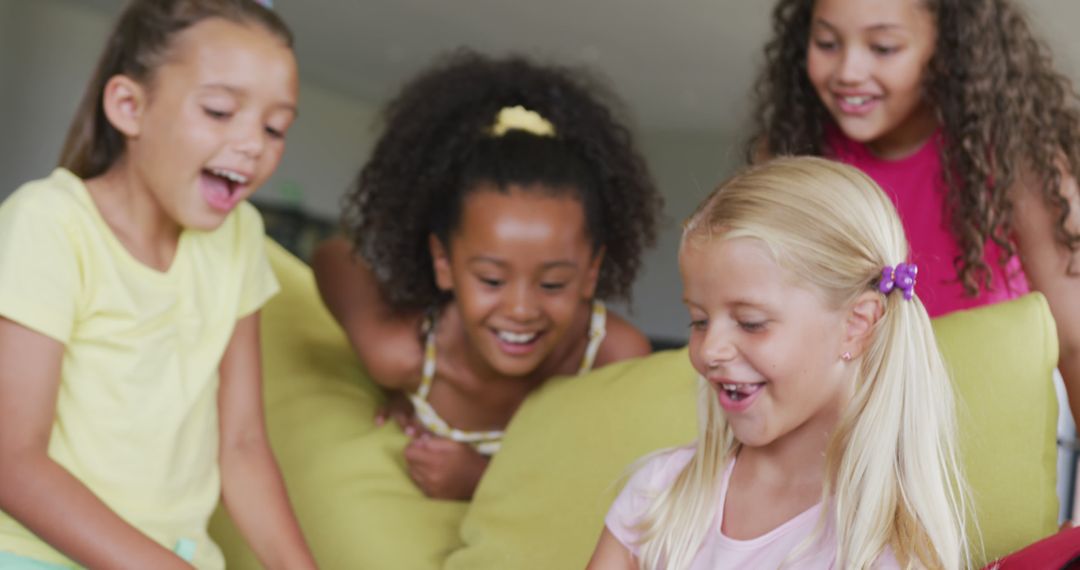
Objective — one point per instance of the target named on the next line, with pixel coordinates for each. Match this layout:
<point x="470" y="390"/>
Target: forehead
<point x="521" y="217"/>
<point x="245" y="55"/>
<point x="868" y="15"/>
<point x="719" y="271"/>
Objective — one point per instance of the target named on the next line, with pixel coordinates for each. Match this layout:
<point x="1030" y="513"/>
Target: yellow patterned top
<point x="487" y="442"/>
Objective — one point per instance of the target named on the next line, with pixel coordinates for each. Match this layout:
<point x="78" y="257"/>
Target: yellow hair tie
<point x="522" y="119"/>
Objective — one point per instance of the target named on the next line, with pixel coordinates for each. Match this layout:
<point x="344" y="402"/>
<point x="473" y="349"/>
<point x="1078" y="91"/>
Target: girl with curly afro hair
<point x="503" y="200"/>
<point x="955" y="109"/>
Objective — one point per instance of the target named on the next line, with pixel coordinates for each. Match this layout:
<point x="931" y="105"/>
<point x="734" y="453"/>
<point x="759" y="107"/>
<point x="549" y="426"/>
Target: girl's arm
<point x="251" y="484"/>
<point x="610" y="554"/>
<point x="1046" y="263"/>
<point x="386" y="341"/>
<point x="37" y="491"/>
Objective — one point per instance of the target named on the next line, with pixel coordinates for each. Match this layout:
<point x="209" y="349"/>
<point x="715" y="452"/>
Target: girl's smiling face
<point x="867" y="60"/>
<point x="522" y="269"/>
<point x="209" y="127"/>
<point x="767" y="344"/>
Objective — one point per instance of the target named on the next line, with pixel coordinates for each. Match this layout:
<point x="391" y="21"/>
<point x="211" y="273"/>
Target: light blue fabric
<point x="185" y="548"/>
<point x="10" y="561"/>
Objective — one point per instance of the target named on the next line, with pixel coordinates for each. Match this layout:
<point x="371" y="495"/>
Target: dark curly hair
<point x="1004" y="110"/>
<point x="436" y="147"/>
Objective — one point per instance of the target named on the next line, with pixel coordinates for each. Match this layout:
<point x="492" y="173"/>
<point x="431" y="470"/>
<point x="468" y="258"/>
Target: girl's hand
<point x="398" y="408"/>
<point x="443" y="468"/>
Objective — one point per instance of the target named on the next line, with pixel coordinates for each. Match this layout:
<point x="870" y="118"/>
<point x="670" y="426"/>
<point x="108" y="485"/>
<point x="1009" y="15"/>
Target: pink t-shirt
<point x="719" y="552"/>
<point x="917" y="189"/>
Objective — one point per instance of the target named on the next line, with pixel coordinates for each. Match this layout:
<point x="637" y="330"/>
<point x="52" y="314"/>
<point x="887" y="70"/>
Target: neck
<point x="908" y="137"/>
<point x="134" y="214"/>
<point x="798" y="457"/>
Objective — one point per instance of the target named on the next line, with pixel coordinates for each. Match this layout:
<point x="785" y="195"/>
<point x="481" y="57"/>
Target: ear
<point x="862" y="318"/>
<point x="592" y="277"/>
<point x="124" y="101"/>
<point x="440" y="260"/>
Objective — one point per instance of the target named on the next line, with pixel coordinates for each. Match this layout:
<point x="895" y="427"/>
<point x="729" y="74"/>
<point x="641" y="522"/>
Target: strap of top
<point x="486" y="442"/>
<point x="597" y="332"/>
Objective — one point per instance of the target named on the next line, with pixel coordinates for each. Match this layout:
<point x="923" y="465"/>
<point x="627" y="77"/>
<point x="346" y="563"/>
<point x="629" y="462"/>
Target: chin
<point x="864" y="134"/>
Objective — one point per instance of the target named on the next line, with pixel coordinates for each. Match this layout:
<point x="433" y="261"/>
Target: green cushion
<point x="542" y="502"/>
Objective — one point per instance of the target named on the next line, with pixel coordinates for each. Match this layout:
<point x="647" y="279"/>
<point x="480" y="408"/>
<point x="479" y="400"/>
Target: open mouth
<point x="221" y="187"/>
<point x="740" y="392"/>
<point x="856" y="104"/>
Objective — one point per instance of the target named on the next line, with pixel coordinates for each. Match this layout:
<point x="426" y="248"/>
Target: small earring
<point x="846" y="356"/>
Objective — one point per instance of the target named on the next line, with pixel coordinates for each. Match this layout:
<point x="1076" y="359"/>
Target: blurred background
<point x="685" y="68"/>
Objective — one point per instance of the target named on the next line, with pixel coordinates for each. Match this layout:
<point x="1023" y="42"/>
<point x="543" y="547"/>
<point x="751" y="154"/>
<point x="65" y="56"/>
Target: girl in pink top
<point x="827" y="437"/>
<point x="900" y="88"/>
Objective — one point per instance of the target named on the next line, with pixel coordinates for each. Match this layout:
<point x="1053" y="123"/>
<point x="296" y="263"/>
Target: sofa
<point x="542" y="501"/>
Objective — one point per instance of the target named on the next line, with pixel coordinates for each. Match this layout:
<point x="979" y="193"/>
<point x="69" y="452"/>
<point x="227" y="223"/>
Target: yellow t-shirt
<point x="136" y="414"/>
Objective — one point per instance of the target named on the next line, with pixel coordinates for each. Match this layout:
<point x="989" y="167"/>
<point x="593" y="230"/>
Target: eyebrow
<point x="875" y="27"/>
<point x="545" y="266"/>
<point x="237" y="92"/>
<point x="737" y="304"/>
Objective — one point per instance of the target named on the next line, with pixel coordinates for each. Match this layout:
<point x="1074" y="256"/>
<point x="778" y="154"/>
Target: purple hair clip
<point x="902" y="277"/>
<point x="267" y="3"/>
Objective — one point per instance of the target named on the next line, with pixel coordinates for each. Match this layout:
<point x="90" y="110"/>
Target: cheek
<point x="818" y="68"/>
<point x="562" y="309"/>
<point x="694" y="350"/>
<point x="473" y="301"/>
<point x="272" y="156"/>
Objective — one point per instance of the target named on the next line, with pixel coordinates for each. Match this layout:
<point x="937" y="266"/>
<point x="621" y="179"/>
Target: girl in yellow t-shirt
<point x="130" y="284"/>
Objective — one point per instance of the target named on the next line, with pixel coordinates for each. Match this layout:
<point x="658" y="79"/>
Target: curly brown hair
<point x="1004" y="110"/>
<point x="436" y="147"/>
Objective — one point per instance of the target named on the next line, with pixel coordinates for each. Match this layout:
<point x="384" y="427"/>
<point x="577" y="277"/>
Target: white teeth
<point x="856" y="100"/>
<point x="736" y="387"/>
<point x="230" y="175"/>
<point x="516" y="338"/>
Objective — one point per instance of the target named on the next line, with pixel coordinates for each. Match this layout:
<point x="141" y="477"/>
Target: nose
<point x="522" y="302"/>
<point x="854" y="66"/>
<point x="250" y="138"/>
<point x="717" y="347"/>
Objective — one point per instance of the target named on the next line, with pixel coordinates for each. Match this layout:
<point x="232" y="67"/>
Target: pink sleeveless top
<point x="917" y="189"/>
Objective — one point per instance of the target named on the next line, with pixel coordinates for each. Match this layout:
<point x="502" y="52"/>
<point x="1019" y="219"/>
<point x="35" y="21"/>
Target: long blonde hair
<point x="892" y="474"/>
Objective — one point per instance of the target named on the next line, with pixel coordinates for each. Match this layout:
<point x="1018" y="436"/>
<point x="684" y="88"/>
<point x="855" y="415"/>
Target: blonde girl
<point x="827" y="436"/>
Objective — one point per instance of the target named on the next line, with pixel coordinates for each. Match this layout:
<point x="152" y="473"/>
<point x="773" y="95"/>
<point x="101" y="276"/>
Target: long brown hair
<point x="137" y="46"/>
<point x="1004" y="109"/>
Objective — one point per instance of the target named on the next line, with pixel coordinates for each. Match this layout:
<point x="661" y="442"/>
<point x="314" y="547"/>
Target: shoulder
<point x="58" y="197"/>
<point x="652" y="475"/>
<point x="622" y="341"/>
<point x="657" y="471"/>
<point x="51" y="213"/>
